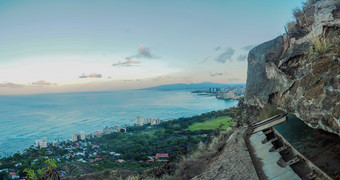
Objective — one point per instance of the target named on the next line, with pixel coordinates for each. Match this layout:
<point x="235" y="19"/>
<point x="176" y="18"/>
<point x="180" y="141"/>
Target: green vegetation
<point x="198" y="160"/>
<point x="320" y="46"/>
<point x="303" y="19"/>
<point x="44" y="173"/>
<point x="130" y="151"/>
<point x="221" y="122"/>
<point x="267" y="112"/>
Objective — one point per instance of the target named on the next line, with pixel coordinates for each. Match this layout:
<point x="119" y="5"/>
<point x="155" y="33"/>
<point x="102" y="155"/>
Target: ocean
<point x="24" y="119"/>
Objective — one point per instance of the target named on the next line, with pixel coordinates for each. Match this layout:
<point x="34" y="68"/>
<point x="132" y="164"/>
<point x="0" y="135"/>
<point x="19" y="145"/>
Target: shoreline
<point x="61" y="139"/>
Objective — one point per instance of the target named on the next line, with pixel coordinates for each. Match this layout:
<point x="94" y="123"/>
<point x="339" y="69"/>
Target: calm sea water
<point x="23" y="119"/>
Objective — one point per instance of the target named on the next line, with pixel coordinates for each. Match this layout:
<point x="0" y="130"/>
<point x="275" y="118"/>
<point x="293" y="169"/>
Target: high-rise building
<point x="54" y="143"/>
<point x="82" y="135"/>
<point x="36" y="143"/>
<point x="139" y="121"/>
<point x="155" y="121"/>
<point x="99" y="133"/>
<point x="148" y="120"/>
<point x="43" y="144"/>
<point x="107" y="130"/>
<point x="117" y="128"/>
<point x="74" y="137"/>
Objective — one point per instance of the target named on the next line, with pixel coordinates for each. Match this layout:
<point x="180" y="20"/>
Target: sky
<point x="86" y="45"/>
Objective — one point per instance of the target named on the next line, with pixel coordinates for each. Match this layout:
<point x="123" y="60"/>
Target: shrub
<point x="303" y="20"/>
<point x="294" y="30"/>
<point x="291" y="27"/>
<point x="193" y="164"/>
<point x="298" y="13"/>
<point x="308" y="4"/>
<point x="50" y="173"/>
<point x="267" y="112"/>
<point x="320" y="46"/>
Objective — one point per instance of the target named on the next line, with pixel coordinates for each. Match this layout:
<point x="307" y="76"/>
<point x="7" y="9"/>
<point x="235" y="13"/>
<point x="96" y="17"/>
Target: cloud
<point x="41" y="83"/>
<point x="161" y="78"/>
<point x="188" y="79"/>
<point x="249" y="47"/>
<point x="11" y="85"/>
<point x="33" y="84"/>
<point x="217" y="48"/>
<point x="242" y="57"/>
<point x="204" y="60"/>
<point x="227" y="73"/>
<point x="233" y="79"/>
<point x="93" y="75"/>
<point x="143" y="52"/>
<point x="216" y="74"/>
<point x="128" y="62"/>
<point x="226" y="55"/>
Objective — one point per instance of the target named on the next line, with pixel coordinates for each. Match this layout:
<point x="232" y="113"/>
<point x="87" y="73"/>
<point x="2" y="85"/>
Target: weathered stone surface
<point x="325" y="15"/>
<point x="315" y="92"/>
<point x="307" y="86"/>
<point x="258" y="83"/>
<point x="233" y="163"/>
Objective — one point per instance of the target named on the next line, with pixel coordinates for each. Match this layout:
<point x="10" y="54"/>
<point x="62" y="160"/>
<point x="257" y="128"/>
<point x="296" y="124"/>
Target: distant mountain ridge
<point x="203" y="85"/>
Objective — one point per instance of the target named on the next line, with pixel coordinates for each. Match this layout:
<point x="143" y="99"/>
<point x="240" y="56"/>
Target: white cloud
<point x="11" y="85"/>
<point x="93" y="75"/>
<point x="216" y="74"/>
<point x="41" y="83"/>
<point x="128" y="62"/>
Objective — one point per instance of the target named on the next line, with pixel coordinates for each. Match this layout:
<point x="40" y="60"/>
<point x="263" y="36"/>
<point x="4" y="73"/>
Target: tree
<point x="43" y="174"/>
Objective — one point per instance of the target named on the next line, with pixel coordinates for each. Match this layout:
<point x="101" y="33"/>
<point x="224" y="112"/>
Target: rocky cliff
<point x="299" y="72"/>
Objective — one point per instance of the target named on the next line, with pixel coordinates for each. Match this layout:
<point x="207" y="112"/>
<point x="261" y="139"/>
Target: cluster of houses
<point x="159" y="157"/>
<point x="12" y="172"/>
<point x="81" y="151"/>
<point x="76" y="147"/>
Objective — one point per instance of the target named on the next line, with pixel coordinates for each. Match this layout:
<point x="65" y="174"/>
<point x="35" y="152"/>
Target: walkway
<point x="269" y="159"/>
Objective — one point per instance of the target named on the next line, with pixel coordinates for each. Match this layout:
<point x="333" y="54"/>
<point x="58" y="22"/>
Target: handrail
<point x="266" y="121"/>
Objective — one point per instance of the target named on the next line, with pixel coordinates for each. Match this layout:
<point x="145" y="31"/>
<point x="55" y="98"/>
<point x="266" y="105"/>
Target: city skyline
<point x="51" y="47"/>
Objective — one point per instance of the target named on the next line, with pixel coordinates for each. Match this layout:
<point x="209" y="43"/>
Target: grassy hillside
<point x="212" y="124"/>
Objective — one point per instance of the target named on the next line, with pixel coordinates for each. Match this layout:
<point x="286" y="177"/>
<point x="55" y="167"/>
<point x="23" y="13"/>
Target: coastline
<point x="26" y="139"/>
<point x="141" y="147"/>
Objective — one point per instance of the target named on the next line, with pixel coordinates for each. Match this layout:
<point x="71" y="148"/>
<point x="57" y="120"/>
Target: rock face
<point x="281" y="74"/>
